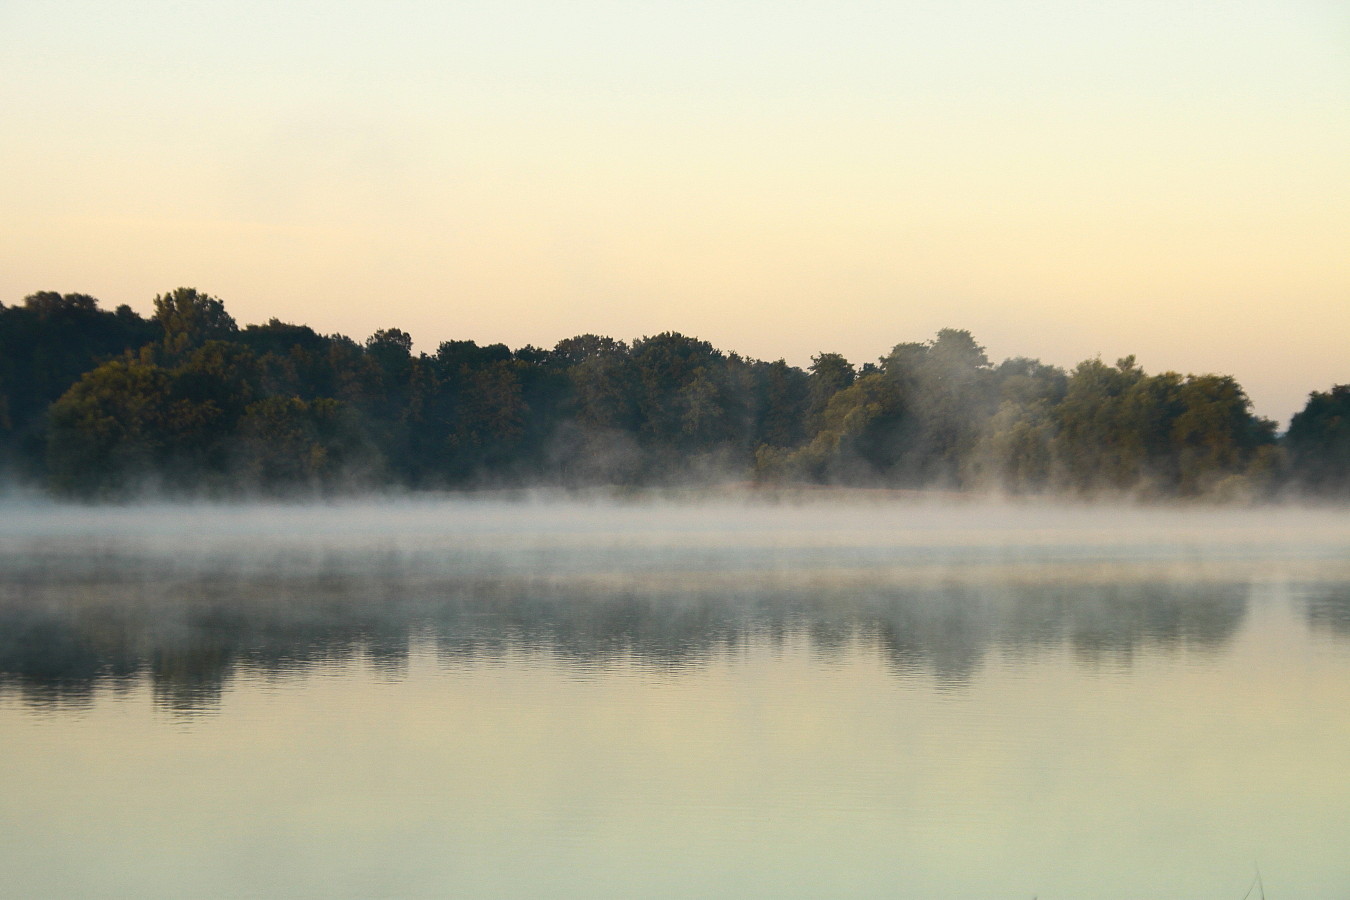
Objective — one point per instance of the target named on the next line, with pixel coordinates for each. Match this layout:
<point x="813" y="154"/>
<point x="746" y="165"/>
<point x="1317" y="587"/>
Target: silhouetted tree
<point x="46" y="344"/>
<point x="189" y="400"/>
<point x="1319" y="442"/>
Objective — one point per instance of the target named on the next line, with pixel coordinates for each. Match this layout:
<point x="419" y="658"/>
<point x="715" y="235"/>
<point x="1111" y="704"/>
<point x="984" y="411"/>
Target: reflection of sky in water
<point x="329" y="706"/>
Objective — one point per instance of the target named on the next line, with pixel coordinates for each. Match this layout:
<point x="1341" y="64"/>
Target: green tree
<point x="392" y="351"/>
<point x="604" y="382"/>
<point x="1119" y="429"/>
<point x="830" y="374"/>
<point x="666" y="366"/>
<point x="190" y="318"/>
<point x="1094" y="447"/>
<point x="287" y="443"/>
<point x="490" y="419"/>
<point x="782" y="403"/>
<point x="1215" y="435"/>
<point x="46" y="344"/>
<point x="856" y="439"/>
<point x="1015" y="451"/>
<point x="947" y="392"/>
<point x="1318" y="443"/>
<point x="703" y="409"/>
<point x="111" y="429"/>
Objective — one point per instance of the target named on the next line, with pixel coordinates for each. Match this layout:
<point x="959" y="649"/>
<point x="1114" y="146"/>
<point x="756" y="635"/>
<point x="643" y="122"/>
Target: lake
<point x="790" y="697"/>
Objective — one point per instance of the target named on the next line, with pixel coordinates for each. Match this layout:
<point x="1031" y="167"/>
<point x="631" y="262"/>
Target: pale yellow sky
<point x="1165" y="179"/>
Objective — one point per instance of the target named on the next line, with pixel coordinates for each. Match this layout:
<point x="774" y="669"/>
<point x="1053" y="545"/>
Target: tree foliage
<point x="190" y="318"/>
<point x="95" y="403"/>
<point x="1319" y="442"/>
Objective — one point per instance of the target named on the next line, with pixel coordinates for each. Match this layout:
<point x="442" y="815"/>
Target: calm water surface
<point x="493" y="699"/>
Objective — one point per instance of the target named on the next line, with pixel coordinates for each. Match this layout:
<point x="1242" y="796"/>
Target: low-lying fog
<point x="933" y="586"/>
<point x="789" y="696"/>
<point x="561" y="535"/>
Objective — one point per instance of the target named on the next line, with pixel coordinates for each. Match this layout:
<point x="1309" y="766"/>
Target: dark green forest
<point x="105" y="405"/>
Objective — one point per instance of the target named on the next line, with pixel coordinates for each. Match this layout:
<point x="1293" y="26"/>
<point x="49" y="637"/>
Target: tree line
<point x="100" y="404"/>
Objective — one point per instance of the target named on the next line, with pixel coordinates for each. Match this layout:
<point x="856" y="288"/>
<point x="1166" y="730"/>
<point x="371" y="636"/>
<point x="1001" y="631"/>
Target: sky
<point x="1063" y="179"/>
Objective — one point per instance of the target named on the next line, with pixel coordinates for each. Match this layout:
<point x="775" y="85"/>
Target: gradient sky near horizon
<point x="1063" y="179"/>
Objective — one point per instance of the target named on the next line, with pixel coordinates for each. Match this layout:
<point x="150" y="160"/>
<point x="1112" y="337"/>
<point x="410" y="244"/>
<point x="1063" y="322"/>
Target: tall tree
<point x="946" y="393"/>
<point x="1318" y="441"/>
<point x="46" y="344"/>
<point x="190" y="318"/>
<point x="830" y="374"/>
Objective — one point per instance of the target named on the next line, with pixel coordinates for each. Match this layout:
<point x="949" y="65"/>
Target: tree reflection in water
<point x="1327" y="607"/>
<point x="64" y="639"/>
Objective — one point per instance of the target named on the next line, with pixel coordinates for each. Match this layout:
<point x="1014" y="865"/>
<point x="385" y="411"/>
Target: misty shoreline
<point x="500" y="521"/>
<point x="100" y="405"/>
<point x="14" y="497"/>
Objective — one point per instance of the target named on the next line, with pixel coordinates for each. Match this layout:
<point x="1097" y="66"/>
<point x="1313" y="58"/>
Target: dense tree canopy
<point x="1319" y="442"/>
<point x="46" y="344"/>
<point x="96" y="403"/>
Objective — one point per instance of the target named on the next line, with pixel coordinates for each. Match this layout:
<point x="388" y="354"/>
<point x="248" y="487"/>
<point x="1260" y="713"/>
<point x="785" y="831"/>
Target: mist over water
<point x="744" y="696"/>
